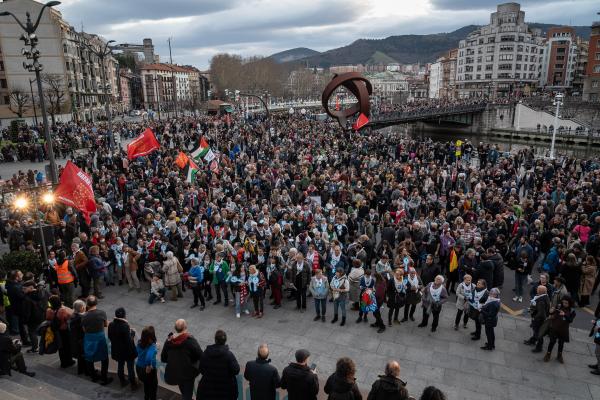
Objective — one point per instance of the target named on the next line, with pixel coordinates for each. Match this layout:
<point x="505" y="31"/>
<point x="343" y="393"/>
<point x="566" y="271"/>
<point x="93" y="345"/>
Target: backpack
<point x="50" y="340"/>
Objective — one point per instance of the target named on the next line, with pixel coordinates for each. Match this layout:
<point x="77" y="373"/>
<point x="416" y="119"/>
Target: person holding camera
<point x="181" y="353"/>
<point x="300" y="380"/>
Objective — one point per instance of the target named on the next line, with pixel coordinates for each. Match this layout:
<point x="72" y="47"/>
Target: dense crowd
<point x="365" y="223"/>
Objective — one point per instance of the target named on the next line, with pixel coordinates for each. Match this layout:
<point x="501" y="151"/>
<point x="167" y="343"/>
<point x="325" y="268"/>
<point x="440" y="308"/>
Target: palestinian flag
<point x="190" y="171"/>
<point x="200" y="152"/>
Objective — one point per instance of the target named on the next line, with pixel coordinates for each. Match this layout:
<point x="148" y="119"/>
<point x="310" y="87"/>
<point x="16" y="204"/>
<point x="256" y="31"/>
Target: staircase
<point x="53" y="383"/>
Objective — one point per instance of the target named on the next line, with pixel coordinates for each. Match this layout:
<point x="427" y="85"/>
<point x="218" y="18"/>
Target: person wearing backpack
<point x="341" y="385"/>
<point x="59" y="316"/>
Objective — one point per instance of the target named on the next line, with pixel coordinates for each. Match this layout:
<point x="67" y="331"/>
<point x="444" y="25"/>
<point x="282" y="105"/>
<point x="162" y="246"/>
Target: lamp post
<point x="101" y="56"/>
<point x="174" y="86"/>
<point x="22" y="203"/>
<point x="558" y="101"/>
<point x="33" y="100"/>
<point x="30" y="39"/>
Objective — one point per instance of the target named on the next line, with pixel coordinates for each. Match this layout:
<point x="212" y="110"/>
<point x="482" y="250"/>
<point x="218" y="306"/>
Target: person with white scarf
<point x="434" y="296"/>
<point x="396" y="295"/>
<point x="477" y="301"/>
<point x="489" y="315"/>
<point x="539" y="311"/>
<point x="464" y="292"/>
<point x="413" y="294"/>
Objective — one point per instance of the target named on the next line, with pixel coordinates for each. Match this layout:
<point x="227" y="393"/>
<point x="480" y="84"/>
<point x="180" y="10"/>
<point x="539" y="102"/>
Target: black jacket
<point x="122" y="347"/>
<point x="181" y="354"/>
<point x="489" y="311"/>
<point x="263" y="378"/>
<point x="300" y="382"/>
<point x="339" y="388"/>
<point x="33" y="311"/>
<point x="485" y="271"/>
<point x="14" y="291"/>
<point x="219" y="368"/>
<point x="388" y="388"/>
<point x="76" y="335"/>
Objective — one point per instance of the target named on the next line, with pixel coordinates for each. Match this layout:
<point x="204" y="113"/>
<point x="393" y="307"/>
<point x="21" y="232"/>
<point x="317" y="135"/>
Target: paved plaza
<point x="447" y="359"/>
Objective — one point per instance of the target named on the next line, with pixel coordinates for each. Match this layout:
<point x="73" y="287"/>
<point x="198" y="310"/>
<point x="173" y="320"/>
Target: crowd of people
<point x="296" y="209"/>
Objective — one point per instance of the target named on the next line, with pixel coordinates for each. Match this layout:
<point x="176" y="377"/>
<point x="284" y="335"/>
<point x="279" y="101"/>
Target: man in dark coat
<point x="489" y="312"/>
<point x="219" y="369"/>
<point x="299" y="380"/>
<point x="389" y="386"/>
<point x="262" y="376"/>
<point x="33" y="311"/>
<point x="498" y="273"/>
<point x="539" y="310"/>
<point x="181" y="353"/>
<point x="485" y="270"/>
<point x="14" y="291"/>
<point x="122" y="347"/>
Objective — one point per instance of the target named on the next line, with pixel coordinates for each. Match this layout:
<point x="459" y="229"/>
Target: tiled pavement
<point x="447" y="359"/>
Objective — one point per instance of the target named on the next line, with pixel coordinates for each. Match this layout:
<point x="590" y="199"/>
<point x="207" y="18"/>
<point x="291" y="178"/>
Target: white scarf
<point x="468" y="289"/>
<point x="436" y="294"/>
<point x="400" y="285"/>
<point x="491" y="299"/>
<point x="414" y="282"/>
<point x="535" y="298"/>
<point x="299" y="268"/>
<point x="335" y="259"/>
<point x="253" y="282"/>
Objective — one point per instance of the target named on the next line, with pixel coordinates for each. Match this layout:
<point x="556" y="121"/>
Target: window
<point x="597" y="56"/>
<point x="479" y="68"/>
<point x="560" y="50"/>
<point x="488" y="76"/>
<point x="1" y="65"/>
<point x="478" y="76"/>
<point x="505" y="66"/>
<point x="493" y="39"/>
<point x="558" y="66"/>
<point x="489" y="58"/>
<point x="507" y="48"/>
<point x="560" y="58"/>
<point x="596" y="69"/>
<point x="490" y="49"/>
<point x="3" y="83"/>
<point x="489" y="67"/>
<point x="518" y="67"/>
<point x="595" y="84"/>
<point x="519" y="57"/>
<point x="469" y="68"/>
<point x="504" y="76"/>
<point x="517" y="75"/>
<point x="521" y="38"/>
<point x="507" y="38"/>
<point x="506" y="57"/>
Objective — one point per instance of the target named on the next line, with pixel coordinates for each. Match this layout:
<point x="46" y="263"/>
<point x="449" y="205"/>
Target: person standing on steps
<point x="301" y="382"/>
<point x="262" y="376"/>
<point x="145" y="365"/>
<point x="196" y="279"/>
<point x="389" y="386"/>
<point x="340" y="288"/>
<point x="300" y="277"/>
<point x="181" y="353"/>
<point x="95" y="347"/>
<point x="219" y="369"/>
<point x="220" y="270"/>
<point x="489" y="314"/>
<point x="62" y="315"/>
<point x="434" y="296"/>
<point x="319" y="288"/>
<point x="122" y="347"/>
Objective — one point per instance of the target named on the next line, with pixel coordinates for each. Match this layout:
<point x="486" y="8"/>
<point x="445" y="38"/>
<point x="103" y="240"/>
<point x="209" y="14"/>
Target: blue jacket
<point x="146" y="356"/>
<point x="197" y="273"/>
<point x="552" y="260"/>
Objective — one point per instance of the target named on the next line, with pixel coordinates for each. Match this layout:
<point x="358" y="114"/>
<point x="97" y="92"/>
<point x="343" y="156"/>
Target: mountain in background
<point x="403" y="49"/>
<point x="293" y="55"/>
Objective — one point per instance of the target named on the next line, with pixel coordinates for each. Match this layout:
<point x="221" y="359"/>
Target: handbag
<point x="545" y="327"/>
<point x="473" y="313"/>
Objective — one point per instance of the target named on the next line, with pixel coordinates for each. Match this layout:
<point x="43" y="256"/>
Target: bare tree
<point x="54" y="94"/>
<point x="19" y="102"/>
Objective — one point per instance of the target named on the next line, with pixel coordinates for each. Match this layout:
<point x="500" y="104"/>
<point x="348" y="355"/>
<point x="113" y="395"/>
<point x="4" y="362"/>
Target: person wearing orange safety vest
<point x="66" y="277"/>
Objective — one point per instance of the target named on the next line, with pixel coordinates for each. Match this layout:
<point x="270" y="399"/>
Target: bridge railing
<point x="428" y="113"/>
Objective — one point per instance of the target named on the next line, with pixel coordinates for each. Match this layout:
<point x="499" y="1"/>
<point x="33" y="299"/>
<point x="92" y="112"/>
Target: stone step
<point x="83" y="386"/>
<point x="30" y="388"/>
<point x="4" y="395"/>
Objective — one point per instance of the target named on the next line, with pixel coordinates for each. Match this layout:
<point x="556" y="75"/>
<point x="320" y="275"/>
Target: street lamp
<point x="156" y="85"/>
<point x="557" y="101"/>
<point x="101" y="56"/>
<point x="30" y="39"/>
<point x="22" y="204"/>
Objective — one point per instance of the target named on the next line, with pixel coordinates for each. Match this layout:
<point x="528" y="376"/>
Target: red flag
<point x="360" y="122"/>
<point x="145" y="144"/>
<point x="75" y="190"/>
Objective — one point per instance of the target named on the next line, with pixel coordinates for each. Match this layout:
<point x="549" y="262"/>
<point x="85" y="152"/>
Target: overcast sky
<point x="203" y="28"/>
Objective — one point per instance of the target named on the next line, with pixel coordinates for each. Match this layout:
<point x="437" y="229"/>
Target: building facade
<point x="389" y="86"/>
<point x="442" y="76"/>
<point x="559" y="59"/>
<point x="591" y="85"/>
<point x="501" y="58"/>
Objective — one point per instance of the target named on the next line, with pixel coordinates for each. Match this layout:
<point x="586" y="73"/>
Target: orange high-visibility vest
<point x="64" y="275"/>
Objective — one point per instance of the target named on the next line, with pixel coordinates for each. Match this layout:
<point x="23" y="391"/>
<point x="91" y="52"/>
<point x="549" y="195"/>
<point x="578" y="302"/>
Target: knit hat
<point x="120" y="312"/>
